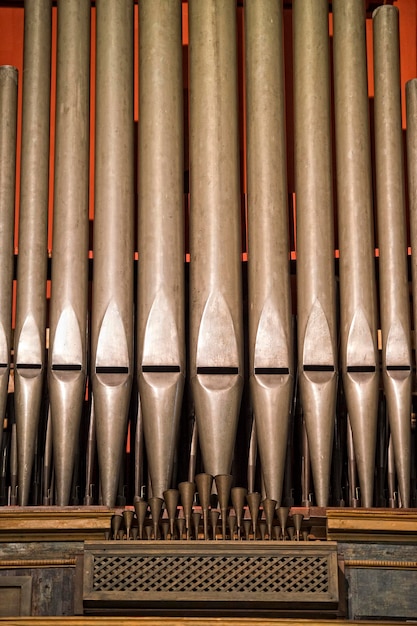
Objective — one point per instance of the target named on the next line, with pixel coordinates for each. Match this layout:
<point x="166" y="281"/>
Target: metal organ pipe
<point x="216" y="303"/>
<point x="270" y="335"/>
<point x="317" y="353"/>
<point x="112" y="308"/>
<point x="68" y="307"/>
<point x="358" y="313"/>
<point x="8" y="124"/>
<point x="393" y="281"/>
<point x="411" y="100"/>
<point x="33" y="214"/>
<point x="160" y="327"/>
<point x="216" y="334"/>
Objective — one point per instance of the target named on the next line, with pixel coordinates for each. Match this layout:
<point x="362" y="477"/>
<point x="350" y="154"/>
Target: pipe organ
<point x="223" y="334"/>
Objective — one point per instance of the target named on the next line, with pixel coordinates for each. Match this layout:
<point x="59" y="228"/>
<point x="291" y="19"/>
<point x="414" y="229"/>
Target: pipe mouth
<point x="318" y="368"/>
<point x="276" y="371"/>
<point x="112" y="369"/>
<point x="161" y="369"/>
<point x="218" y="371"/>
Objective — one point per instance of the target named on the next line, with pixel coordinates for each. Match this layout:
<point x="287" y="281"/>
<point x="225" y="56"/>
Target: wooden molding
<point x="372" y="525"/>
<point x="50" y="523"/>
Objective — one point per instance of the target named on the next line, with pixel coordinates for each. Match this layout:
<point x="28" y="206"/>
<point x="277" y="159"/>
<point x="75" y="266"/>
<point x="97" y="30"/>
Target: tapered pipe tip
<point x="297" y="518"/>
<point x="231" y="522"/>
<point x="254" y="500"/>
<point x="180" y="526"/>
<point x="283" y="515"/>
<point x="223" y="486"/>
<point x="116" y="522"/>
<point x="204" y="483"/>
<point x="238" y="495"/>
<point x="155" y="505"/>
<point x="187" y="491"/>
<point x="141" y="506"/>
<point x="128" y="517"/>
<point x="196" y="522"/>
<point x="269" y="507"/>
<point x="171" y="497"/>
<point x="214" y="518"/>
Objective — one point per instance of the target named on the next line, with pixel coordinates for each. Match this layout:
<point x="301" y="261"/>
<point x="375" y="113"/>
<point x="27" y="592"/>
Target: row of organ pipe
<point x="152" y="346"/>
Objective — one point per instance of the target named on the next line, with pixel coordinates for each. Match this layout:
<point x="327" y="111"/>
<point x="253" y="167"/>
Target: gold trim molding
<point x="407" y="565"/>
<point x="32" y="563"/>
<point x="178" y="621"/>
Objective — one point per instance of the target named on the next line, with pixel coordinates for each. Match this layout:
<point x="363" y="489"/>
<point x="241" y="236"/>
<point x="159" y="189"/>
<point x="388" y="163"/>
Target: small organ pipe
<point x="112" y="309"/>
<point x="8" y="121"/>
<point x="393" y="275"/>
<point x="316" y="305"/>
<point x="216" y="334"/>
<point x="160" y="327"/>
<point x="29" y="342"/>
<point x="68" y="307"/>
<point x="358" y="312"/>
<point x="270" y="336"/>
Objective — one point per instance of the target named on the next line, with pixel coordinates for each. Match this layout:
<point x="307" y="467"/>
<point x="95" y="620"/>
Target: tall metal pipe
<point x="161" y="335"/>
<point x="270" y="336"/>
<point x="29" y="341"/>
<point x="8" y="128"/>
<point x="393" y="281"/>
<point x="112" y="309"/>
<point x="358" y="312"/>
<point x="216" y="345"/>
<point x="411" y="102"/>
<point x="68" y="307"/>
<point x="317" y="354"/>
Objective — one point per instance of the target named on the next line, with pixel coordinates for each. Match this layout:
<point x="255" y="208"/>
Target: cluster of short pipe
<point x="196" y="511"/>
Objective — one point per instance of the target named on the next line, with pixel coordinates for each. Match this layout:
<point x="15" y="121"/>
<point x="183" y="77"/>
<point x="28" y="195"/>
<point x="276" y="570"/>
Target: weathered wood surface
<point x="52" y="589"/>
<point x="380" y="580"/>
<point x="39" y="550"/>
<point x="382" y="593"/>
<point x="15" y="595"/>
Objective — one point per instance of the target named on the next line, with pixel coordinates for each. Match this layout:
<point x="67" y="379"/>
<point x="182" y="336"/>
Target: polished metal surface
<point x="112" y="308"/>
<point x="393" y="275"/>
<point x="199" y="152"/>
<point x="29" y="340"/>
<point x="316" y="302"/>
<point x="216" y="333"/>
<point x="67" y="366"/>
<point x="8" y="130"/>
<point x="358" y="308"/>
<point x="161" y="297"/>
<point x="411" y="102"/>
<point x="270" y="333"/>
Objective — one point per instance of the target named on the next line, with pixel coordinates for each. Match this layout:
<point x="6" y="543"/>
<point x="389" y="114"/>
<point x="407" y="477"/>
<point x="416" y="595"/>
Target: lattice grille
<point x="214" y="574"/>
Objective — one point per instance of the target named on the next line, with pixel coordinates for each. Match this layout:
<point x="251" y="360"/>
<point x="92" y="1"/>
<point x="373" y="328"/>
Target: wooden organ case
<point x="207" y="310"/>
